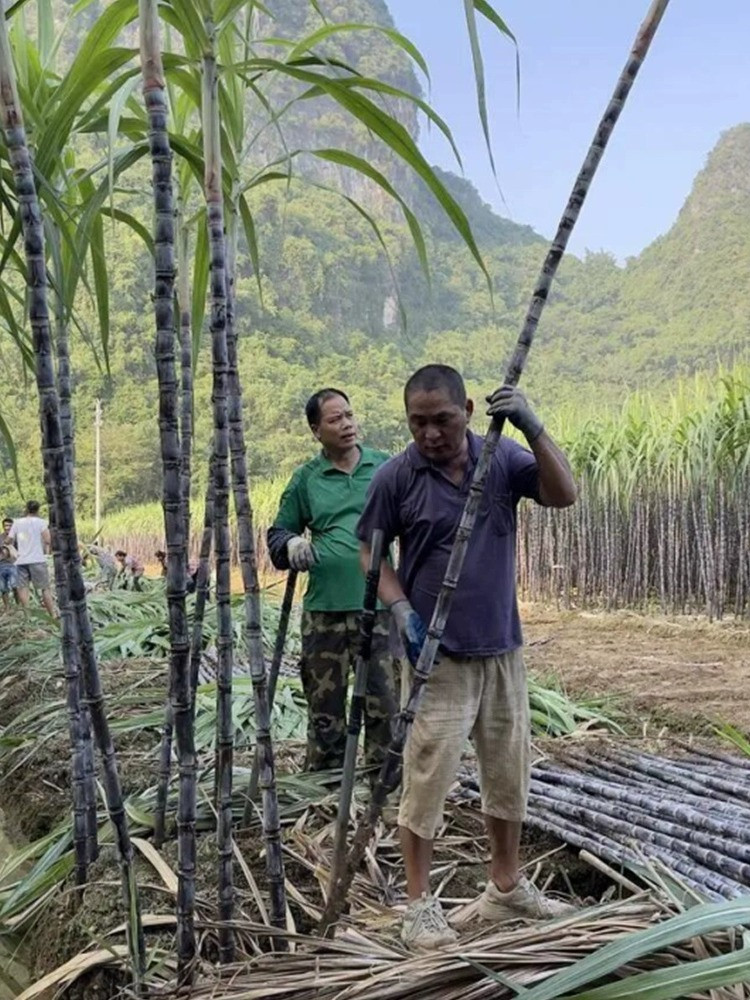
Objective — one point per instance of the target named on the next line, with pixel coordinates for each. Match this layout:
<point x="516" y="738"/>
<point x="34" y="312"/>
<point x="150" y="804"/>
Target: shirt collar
<point x="366" y="457"/>
<point x="418" y="460"/>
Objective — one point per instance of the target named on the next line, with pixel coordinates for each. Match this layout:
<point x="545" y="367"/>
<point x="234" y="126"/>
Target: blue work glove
<point x="509" y="403"/>
<point x="410" y="627"/>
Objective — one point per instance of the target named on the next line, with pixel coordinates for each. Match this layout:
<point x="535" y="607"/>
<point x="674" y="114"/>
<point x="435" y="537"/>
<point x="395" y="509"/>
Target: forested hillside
<point x="329" y="312"/>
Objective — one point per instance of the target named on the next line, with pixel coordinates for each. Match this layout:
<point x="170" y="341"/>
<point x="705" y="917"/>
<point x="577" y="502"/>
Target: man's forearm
<point x="389" y="588"/>
<point x="557" y="487"/>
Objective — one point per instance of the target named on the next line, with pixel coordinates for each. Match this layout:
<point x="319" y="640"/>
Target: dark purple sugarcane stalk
<point x="356" y="713"/>
<point x="58" y="481"/>
<point x="202" y="582"/>
<point x="186" y="372"/>
<point x="79" y="725"/>
<point x="253" y="634"/>
<point x="224" y="731"/>
<point x="179" y="712"/>
<point x="391" y="768"/>
<point x="273" y="676"/>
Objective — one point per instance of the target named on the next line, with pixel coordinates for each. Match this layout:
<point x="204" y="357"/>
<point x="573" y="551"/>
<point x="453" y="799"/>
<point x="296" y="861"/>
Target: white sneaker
<point x="523" y="901"/>
<point x="425" y="927"/>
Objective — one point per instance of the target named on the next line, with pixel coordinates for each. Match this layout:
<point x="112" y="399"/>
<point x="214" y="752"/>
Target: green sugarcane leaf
<point x="324" y="33"/>
<point x="486" y="10"/>
<point x="362" y="166"/>
<point x="116" y="108"/>
<point x="397" y="138"/>
<point x="101" y="283"/>
<point x="394" y="277"/>
<point x="703" y="919"/>
<point x="685" y="979"/>
<point x="734" y="736"/>
<point x="248" y="224"/>
<point x="16" y="332"/>
<point x="119" y="215"/>
<point x="45" y="29"/>
<point x="225" y="12"/>
<point x="184" y="16"/>
<point x="7" y="436"/>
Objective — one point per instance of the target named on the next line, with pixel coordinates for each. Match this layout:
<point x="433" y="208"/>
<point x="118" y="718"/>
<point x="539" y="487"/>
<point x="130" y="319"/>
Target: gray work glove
<point x="410" y="627"/>
<point x="509" y="403"/>
<point x="301" y="554"/>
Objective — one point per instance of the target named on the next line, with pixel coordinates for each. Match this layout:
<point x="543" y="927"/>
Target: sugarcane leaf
<point x="394" y="277"/>
<point x="116" y="108"/>
<point x="703" y="919"/>
<point x="324" y="33"/>
<point x="476" y="58"/>
<point x="395" y="136"/>
<point x="184" y="16"/>
<point x="120" y="215"/>
<point x="248" y="224"/>
<point x="363" y="167"/>
<point x="498" y="977"/>
<point x="685" y="979"/>
<point x="45" y="29"/>
<point x="734" y="736"/>
<point x="7" y="436"/>
<point x="486" y="10"/>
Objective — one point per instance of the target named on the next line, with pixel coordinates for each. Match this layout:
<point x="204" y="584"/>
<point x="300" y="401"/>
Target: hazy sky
<point x="694" y="84"/>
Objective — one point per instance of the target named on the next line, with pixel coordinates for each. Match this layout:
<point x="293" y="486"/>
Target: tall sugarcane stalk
<point x="390" y="771"/>
<point x="56" y="476"/>
<point x="202" y="580"/>
<point x="273" y="676"/>
<point x="356" y="713"/>
<point x="83" y="768"/>
<point x="82" y="848"/>
<point x="179" y="711"/>
<point x="218" y="285"/>
<point x="186" y="367"/>
<point x="253" y="632"/>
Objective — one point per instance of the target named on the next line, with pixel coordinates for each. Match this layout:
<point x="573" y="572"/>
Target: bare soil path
<point x="681" y="670"/>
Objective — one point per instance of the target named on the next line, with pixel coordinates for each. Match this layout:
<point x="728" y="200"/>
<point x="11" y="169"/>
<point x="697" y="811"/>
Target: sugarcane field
<point x="375" y="554"/>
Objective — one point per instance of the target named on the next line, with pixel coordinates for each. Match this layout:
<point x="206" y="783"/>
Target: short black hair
<point x="7" y="520"/>
<point x="430" y="378"/>
<point x="120" y="553"/>
<point x="32" y="506"/>
<point x="314" y="403"/>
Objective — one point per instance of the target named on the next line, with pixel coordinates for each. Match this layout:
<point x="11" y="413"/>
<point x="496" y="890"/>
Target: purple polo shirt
<point x="409" y="498"/>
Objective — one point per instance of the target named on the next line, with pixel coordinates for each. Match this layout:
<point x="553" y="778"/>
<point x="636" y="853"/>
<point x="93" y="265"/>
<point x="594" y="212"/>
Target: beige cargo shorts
<point x="485" y="698"/>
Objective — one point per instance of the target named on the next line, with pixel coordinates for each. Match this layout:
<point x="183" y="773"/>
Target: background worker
<point x="30" y="535"/>
<point x="105" y="561"/>
<point x="478" y="688"/>
<point x="131" y="570"/>
<point x="325" y="496"/>
<point x="8" y="572"/>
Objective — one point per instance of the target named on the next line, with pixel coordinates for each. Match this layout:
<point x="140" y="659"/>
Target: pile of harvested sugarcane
<point x="620" y="804"/>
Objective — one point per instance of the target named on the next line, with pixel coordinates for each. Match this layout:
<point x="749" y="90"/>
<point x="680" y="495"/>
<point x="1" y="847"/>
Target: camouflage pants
<point x="330" y="640"/>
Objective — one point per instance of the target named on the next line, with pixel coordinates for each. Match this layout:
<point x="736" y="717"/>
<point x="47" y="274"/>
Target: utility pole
<point x="98" y="466"/>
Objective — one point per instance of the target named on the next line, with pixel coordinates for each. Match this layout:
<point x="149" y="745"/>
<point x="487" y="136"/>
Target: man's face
<point x="337" y="429"/>
<point x="437" y="424"/>
<point x="7" y="525"/>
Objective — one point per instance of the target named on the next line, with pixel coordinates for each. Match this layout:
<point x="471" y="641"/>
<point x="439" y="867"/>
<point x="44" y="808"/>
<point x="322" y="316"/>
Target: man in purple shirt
<point x="478" y="687"/>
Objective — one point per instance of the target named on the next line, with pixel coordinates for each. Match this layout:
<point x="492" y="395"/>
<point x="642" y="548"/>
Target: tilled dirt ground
<point x="680" y="672"/>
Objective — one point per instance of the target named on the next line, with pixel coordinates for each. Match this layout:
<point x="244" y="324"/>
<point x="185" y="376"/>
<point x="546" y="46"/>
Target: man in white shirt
<point x="30" y="535"/>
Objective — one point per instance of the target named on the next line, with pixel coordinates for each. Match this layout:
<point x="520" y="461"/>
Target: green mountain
<point x="329" y="310"/>
<point x="694" y="282"/>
